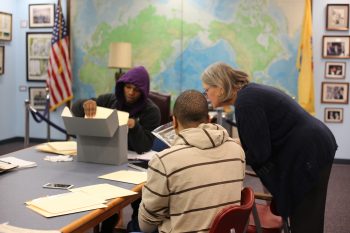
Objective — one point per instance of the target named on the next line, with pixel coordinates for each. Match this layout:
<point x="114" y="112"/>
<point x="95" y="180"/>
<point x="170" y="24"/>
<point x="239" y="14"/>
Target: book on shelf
<point x="165" y="136"/>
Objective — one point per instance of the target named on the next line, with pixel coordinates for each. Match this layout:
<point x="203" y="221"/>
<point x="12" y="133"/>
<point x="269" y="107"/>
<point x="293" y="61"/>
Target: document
<point x="62" y="148"/>
<point x="63" y="145"/>
<point x="104" y="191"/>
<point x="20" y="163"/>
<point x="5" y="228"/>
<point x="6" y="166"/>
<point x="66" y="202"/>
<point x="104" y="113"/>
<point x="50" y="215"/>
<point x="127" y="176"/>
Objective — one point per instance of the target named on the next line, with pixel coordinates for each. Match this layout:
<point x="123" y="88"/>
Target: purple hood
<point x="139" y="77"/>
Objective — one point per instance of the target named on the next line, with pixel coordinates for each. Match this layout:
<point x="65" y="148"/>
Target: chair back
<point x="162" y="100"/>
<point x="234" y="217"/>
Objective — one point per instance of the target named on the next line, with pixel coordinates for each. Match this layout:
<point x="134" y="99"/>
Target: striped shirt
<point x="190" y="182"/>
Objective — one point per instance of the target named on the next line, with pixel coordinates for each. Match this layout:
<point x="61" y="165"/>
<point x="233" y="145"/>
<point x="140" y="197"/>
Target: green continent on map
<point x="253" y="37"/>
<point x="153" y="40"/>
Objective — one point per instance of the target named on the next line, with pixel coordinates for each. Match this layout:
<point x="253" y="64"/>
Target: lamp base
<point x="118" y="75"/>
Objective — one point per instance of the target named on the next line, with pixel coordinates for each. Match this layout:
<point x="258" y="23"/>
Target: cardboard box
<point x="102" y="139"/>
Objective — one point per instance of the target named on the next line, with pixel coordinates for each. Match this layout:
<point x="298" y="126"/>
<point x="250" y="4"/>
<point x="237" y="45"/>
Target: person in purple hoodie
<point x="131" y="95"/>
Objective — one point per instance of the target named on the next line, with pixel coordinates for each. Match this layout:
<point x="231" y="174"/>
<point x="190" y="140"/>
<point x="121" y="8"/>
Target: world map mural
<point x="177" y="39"/>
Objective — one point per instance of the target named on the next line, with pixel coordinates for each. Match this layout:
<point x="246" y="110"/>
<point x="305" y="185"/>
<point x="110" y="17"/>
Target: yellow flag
<point x="305" y="65"/>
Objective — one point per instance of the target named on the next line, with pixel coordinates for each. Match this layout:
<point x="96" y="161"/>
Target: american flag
<point x="59" y="81"/>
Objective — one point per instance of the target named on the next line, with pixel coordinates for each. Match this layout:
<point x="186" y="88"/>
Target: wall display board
<point x="5" y="26"/>
<point x="38" y="50"/>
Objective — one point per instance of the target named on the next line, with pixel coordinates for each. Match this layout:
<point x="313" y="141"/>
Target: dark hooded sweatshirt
<point x="144" y="111"/>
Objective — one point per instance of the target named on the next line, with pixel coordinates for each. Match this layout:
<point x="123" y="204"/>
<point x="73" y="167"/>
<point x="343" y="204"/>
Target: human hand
<point x="89" y="108"/>
<point x="131" y="123"/>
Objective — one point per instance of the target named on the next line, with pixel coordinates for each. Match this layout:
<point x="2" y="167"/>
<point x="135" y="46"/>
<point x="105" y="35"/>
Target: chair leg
<point x="286" y="228"/>
<point x="120" y="223"/>
<point x="256" y="219"/>
<point x="97" y="228"/>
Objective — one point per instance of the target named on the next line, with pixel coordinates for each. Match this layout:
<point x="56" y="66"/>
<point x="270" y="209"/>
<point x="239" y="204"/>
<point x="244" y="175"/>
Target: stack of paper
<point x="66" y="203"/>
<point x="127" y="176"/>
<point x="104" y="191"/>
<point x="78" y="200"/>
<point x="5" y="228"/>
<point x="60" y="147"/>
<point x="20" y="163"/>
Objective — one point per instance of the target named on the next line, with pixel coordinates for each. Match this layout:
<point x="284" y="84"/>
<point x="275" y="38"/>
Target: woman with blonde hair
<point x="291" y="151"/>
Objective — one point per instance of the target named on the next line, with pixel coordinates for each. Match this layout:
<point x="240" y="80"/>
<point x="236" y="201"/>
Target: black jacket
<point x="285" y="145"/>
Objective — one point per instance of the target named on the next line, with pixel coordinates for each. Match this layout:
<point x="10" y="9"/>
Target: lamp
<point x="119" y="57"/>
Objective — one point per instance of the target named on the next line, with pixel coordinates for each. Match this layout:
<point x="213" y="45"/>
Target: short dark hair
<point x="191" y="108"/>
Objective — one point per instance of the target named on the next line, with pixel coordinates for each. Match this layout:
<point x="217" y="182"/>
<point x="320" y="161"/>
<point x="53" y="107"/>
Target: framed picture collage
<point x="38" y="44"/>
<point x="336" y="49"/>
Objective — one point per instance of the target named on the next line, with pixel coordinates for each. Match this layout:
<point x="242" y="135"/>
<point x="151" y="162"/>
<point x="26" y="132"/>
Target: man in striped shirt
<point x="199" y="175"/>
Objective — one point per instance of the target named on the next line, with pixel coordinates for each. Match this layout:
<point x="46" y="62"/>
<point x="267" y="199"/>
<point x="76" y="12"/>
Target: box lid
<point x="104" y="124"/>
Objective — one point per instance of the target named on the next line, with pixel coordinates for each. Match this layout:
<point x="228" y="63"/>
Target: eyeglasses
<point x="205" y="92"/>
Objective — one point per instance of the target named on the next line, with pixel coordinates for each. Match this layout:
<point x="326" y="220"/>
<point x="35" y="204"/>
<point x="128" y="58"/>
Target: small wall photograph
<point x="335" y="93"/>
<point x="333" y="115"/>
<point x="37" y="97"/>
<point x="41" y="15"/>
<point x="335" y="70"/>
<point x="337" y="17"/>
<point x="336" y="47"/>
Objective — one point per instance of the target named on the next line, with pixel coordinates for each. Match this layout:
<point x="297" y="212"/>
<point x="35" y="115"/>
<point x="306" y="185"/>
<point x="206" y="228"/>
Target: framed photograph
<point x="337" y="17"/>
<point x="2" y="59"/>
<point x="335" y="93"/>
<point x="37" y="97"/>
<point x="335" y="70"/>
<point x="38" y="50"/>
<point x="5" y="26"/>
<point x="333" y="115"/>
<point x="336" y="47"/>
<point x="41" y="15"/>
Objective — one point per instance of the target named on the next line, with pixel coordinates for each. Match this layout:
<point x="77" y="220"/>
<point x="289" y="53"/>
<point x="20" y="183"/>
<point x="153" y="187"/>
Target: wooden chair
<point x="263" y="218"/>
<point x="234" y="216"/>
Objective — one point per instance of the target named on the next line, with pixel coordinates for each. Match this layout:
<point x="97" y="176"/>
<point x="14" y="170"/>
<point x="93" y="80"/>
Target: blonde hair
<point x="224" y="76"/>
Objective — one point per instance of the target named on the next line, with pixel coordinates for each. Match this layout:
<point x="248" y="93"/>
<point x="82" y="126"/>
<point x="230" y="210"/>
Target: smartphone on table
<point x="57" y="186"/>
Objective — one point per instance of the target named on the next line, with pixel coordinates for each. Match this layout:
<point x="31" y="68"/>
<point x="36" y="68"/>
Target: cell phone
<point x="57" y="186"/>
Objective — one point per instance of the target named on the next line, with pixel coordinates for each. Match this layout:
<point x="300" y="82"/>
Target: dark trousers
<point x="108" y="225"/>
<point x="308" y="216"/>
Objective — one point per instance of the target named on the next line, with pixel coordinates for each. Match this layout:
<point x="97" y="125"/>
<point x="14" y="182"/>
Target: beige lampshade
<point x="119" y="55"/>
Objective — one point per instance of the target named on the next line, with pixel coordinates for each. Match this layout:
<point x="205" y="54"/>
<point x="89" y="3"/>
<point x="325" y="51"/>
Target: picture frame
<point x="335" y="92"/>
<point x="337" y="17"/>
<point x="333" y="115"/>
<point x="37" y="98"/>
<point x="2" y="60"/>
<point x="335" y="70"/>
<point x="336" y="47"/>
<point x="38" y="46"/>
<point x="41" y="15"/>
<point x="5" y="26"/>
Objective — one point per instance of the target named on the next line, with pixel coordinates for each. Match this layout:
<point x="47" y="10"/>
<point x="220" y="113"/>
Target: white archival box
<point x="102" y="139"/>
